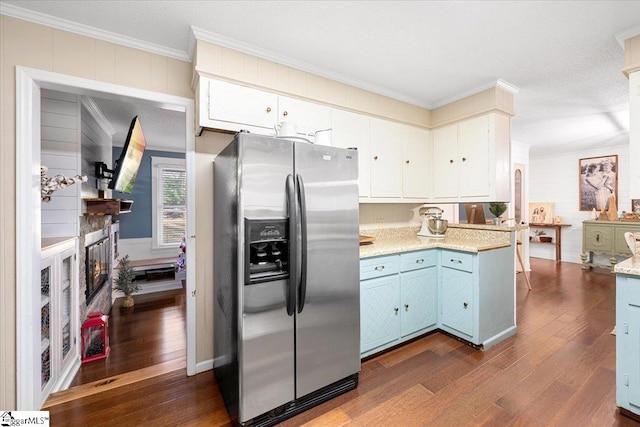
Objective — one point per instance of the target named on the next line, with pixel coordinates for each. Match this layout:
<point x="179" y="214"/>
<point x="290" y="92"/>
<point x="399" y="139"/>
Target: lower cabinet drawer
<point x="377" y="267"/>
<point x="457" y="260"/>
<point x="416" y="260"/>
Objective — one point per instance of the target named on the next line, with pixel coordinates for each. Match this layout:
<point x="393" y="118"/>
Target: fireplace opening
<point x="97" y="262"/>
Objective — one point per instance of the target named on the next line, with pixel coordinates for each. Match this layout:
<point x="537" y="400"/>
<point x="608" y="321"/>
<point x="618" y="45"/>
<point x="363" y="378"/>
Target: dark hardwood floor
<point x="149" y="333"/>
<point x="559" y="370"/>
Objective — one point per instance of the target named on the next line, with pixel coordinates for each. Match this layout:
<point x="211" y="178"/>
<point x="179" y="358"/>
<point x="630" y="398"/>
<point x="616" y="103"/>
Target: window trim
<point x="157" y="164"/>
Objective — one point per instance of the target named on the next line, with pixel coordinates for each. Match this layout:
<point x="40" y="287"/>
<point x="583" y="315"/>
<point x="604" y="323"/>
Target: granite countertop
<point x="628" y="266"/>
<point x="467" y="238"/>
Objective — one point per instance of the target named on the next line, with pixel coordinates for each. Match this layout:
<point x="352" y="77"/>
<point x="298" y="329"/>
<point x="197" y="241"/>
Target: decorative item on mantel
<point x="95" y="337"/>
<point x="497" y="209"/>
<point x="50" y="184"/>
<point x="125" y="283"/>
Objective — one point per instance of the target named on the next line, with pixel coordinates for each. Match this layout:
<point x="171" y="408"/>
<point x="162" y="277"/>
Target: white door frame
<point x="29" y="81"/>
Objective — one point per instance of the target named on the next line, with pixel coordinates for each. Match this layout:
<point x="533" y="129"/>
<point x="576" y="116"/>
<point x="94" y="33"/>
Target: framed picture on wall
<point x="598" y="182"/>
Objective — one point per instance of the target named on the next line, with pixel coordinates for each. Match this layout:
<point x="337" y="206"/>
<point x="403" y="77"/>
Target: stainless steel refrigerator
<point x="286" y="276"/>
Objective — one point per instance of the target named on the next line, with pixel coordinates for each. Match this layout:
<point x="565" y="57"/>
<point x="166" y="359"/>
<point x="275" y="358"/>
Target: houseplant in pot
<point x="124" y="282"/>
<point x="497" y="209"/>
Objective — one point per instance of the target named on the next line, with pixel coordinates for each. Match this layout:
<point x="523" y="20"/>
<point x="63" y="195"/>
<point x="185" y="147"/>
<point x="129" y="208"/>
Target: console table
<point x="607" y="238"/>
<point x="558" y="229"/>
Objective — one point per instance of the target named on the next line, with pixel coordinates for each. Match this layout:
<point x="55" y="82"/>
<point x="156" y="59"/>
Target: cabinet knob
<point x="375" y="157"/>
<point x="465" y="304"/>
<point x="285" y="114"/>
<point x="407" y="161"/>
<point x="396" y="310"/>
<point x="268" y="109"/>
<point x="451" y="161"/>
<point x="464" y="159"/>
<point x="597" y="237"/>
<point x="406" y="307"/>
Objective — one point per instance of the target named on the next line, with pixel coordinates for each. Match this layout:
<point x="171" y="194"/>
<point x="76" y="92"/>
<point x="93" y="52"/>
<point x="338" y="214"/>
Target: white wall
<point x="60" y="130"/>
<point x="556" y="179"/>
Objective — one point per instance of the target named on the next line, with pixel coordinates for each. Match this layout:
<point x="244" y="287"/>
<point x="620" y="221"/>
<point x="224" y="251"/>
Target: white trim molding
<point x="97" y="115"/>
<point x="29" y="81"/>
<point x="627" y="34"/>
<point x="18" y="12"/>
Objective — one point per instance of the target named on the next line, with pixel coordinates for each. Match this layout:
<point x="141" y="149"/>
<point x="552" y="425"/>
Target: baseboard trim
<point x="206" y="365"/>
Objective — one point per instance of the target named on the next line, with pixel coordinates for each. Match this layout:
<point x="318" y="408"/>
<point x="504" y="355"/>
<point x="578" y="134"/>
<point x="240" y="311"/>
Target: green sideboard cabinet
<point x="605" y="238"/>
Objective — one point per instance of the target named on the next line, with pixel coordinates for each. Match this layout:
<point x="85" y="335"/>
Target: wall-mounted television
<point x="126" y="167"/>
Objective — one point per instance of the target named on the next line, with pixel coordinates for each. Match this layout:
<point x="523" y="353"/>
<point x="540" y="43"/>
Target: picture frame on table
<point x="541" y="212"/>
<point x="598" y="181"/>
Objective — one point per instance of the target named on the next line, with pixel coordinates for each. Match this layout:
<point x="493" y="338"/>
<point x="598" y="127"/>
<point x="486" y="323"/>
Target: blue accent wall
<point x="137" y="223"/>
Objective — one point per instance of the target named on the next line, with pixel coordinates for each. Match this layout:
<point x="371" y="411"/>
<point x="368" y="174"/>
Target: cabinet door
<point x="66" y="311"/>
<point x="308" y="116"/>
<point x="386" y="158"/>
<point x="418" y="295"/>
<point x="473" y="157"/>
<point x="352" y="130"/>
<point x="445" y="162"/>
<point x="379" y="312"/>
<point x="47" y="279"/>
<point x="598" y="238"/>
<point x="628" y="340"/>
<point x="240" y="105"/>
<point x="414" y="162"/>
<point x="457" y="300"/>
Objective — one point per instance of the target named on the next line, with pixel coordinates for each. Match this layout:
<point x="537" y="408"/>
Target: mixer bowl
<point x="437" y="226"/>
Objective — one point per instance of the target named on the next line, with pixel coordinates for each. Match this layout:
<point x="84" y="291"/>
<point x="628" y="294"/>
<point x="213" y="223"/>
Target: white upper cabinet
<point x="352" y="130"/>
<point x="307" y="116"/>
<point x="386" y="159"/>
<point x="415" y="152"/>
<point x="471" y="160"/>
<point x="234" y="107"/>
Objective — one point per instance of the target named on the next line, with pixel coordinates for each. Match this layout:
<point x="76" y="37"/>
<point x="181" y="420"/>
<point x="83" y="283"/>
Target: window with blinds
<point x="170" y="180"/>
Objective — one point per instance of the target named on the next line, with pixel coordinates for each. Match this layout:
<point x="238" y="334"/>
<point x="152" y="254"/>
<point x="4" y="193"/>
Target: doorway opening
<point x="30" y="82"/>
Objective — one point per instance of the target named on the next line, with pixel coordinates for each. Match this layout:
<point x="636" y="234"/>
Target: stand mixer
<point x="432" y="223"/>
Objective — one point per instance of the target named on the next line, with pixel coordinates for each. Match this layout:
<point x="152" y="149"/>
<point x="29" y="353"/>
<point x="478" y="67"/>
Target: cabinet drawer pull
<point x="406" y="307"/>
<point x="419" y="261"/>
<point x="396" y="310"/>
<point x="379" y="268"/>
<point x="457" y="261"/>
<point x="597" y="237"/>
<point x="268" y="109"/>
<point x="465" y="304"/>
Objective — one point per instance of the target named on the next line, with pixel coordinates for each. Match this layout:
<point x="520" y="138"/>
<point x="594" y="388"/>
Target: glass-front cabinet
<point x="59" y="354"/>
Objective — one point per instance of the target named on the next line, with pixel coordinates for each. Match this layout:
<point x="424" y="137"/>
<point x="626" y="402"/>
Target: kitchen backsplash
<point x="394" y="215"/>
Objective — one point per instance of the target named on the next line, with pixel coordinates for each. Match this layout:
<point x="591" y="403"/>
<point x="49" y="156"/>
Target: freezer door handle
<point x="303" y="243"/>
<point x="293" y="243"/>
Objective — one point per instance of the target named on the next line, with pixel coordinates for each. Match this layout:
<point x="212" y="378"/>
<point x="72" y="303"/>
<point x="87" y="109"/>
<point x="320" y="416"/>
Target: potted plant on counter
<point x="497" y="209"/>
<point x="124" y="282"/>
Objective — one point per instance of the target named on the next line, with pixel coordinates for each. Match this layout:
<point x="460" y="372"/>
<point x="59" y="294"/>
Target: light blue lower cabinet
<point x="379" y="307"/>
<point x="628" y="343"/>
<point x="469" y="295"/>
<point x="457" y="301"/>
<point x="398" y="299"/>
<point x="419" y="300"/>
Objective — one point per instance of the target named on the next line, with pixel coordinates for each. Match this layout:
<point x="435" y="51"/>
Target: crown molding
<point x="498" y="83"/>
<point x="85" y="30"/>
<point x="96" y="113"/>
<point x="220" y="40"/>
<point x="627" y="34"/>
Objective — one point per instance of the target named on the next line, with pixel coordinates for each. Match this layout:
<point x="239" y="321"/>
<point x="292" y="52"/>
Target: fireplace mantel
<point x="108" y="206"/>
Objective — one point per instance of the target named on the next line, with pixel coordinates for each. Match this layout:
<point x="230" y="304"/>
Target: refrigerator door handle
<point x="303" y="243"/>
<point x="293" y="244"/>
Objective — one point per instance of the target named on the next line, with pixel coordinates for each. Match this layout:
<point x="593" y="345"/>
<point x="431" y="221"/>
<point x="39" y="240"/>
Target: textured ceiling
<point x="563" y="56"/>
